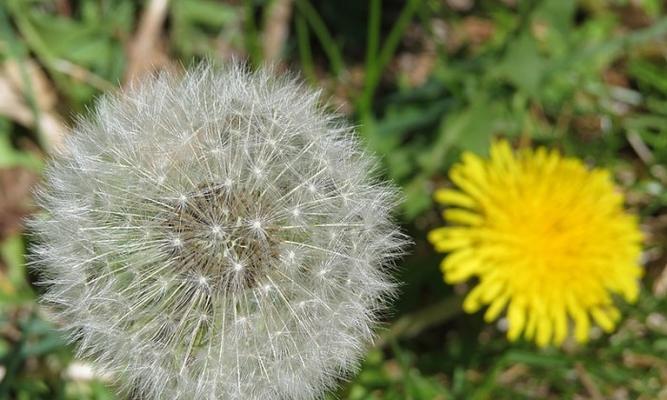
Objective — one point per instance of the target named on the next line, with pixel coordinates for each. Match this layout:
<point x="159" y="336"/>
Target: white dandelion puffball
<point x="216" y="236"/>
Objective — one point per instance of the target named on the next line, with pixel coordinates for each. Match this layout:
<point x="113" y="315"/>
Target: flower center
<point x="548" y="241"/>
<point x="217" y="235"/>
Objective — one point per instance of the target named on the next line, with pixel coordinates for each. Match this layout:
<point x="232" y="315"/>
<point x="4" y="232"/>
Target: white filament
<point x="218" y="236"/>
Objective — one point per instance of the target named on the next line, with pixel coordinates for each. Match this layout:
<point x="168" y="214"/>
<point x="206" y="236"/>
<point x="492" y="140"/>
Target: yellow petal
<point x="516" y="318"/>
<point x="496" y="308"/>
<point x="544" y="330"/>
<point x="469" y="187"/>
<point x="472" y="301"/>
<point x="582" y="326"/>
<point x="448" y="239"/>
<point x="531" y="325"/>
<point x="463" y="217"/>
<point x="459" y="266"/>
<point x="603" y="318"/>
<point x="560" y="325"/>
<point x="454" y="198"/>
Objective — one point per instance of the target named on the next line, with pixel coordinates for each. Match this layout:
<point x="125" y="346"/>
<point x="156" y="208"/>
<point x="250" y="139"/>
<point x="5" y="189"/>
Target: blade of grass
<point x="373" y="42"/>
<point x="404" y="365"/>
<point x="326" y="40"/>
<point x="305" y="52"/>
<point x="58" y="68"/>
<point x="18" y="52"/>
<point x="386" y="53"/>
<point x="12" y="362"/>
<point x="251" y="37"/>
<point x="411" y="325"/>
<point x="18" y="13"/>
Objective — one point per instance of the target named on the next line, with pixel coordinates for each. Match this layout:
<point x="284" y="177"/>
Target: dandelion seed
<point x="212" y="294"/>
<point x="547" y="238"/>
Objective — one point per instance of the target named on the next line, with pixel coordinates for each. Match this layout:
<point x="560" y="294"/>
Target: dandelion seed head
<point x="200" y="234"/>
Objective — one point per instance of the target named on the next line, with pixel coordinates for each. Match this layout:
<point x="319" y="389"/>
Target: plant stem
<point x="411" y="325"/>
<point x="252" y="42"/>
<point x="386" y="53"/>
<point x="373" y="42"/>
<point x="305" y="52"/>
<point x="326" y="40"/>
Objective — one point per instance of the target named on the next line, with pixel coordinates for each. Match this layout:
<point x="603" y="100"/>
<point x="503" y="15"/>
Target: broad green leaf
<point x="523" y="65"/>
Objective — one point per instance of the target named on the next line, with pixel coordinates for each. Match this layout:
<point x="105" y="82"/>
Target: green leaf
<point x="194" y="21"/>
<point x="12" y="251"/>
<point x="649" y="74"/>
<point x="523" y="65"/>
<point x="536" y="359"/>
<point x="417" y="197"/>
<point x="469" y="129"/>
<point x="558" y="13"/>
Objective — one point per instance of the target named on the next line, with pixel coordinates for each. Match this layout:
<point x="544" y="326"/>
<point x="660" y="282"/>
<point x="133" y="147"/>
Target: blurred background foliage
<point x="424" y="80"/>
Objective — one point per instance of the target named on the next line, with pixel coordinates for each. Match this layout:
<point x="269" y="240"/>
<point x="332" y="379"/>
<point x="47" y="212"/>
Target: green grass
<point x="424" y="81"/>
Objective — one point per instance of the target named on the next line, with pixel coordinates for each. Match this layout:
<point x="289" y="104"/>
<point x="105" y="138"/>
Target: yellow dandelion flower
<point x="547" y="238"/>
